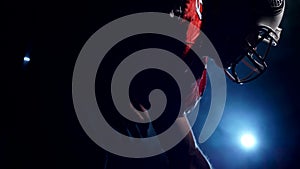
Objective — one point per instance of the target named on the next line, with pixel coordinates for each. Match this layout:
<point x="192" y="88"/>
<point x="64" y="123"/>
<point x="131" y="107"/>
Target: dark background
<point x="39" y="128"/>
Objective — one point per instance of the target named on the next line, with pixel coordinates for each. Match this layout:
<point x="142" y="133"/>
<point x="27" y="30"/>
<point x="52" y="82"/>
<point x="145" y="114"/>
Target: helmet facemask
<point x="256" y="49"/>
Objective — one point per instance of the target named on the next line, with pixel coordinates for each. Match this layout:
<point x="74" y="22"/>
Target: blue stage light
<point x="248" y="141"/>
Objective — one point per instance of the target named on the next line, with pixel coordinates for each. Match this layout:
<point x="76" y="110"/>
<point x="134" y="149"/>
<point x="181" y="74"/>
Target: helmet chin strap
<point x="254" y="69"/>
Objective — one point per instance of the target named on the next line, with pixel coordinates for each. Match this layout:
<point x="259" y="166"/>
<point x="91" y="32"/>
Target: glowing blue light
<point x="26" y="59"/>
<point x="248" y="141"/>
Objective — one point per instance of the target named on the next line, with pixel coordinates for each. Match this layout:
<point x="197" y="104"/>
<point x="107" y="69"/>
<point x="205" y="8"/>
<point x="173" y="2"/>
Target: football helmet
<point x="243" y="33"/>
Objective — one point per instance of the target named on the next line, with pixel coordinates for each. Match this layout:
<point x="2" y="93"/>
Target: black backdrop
<point x="39" y="128"/>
